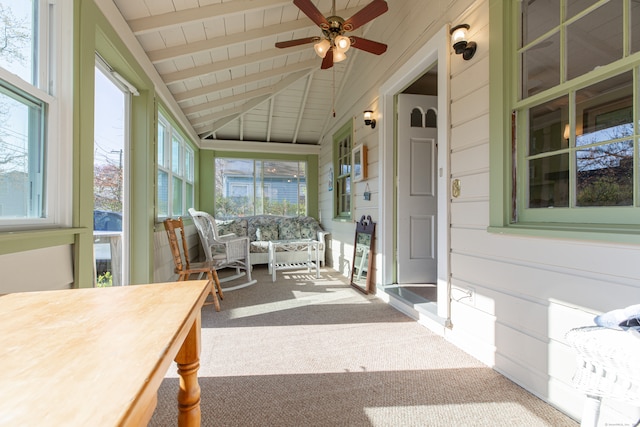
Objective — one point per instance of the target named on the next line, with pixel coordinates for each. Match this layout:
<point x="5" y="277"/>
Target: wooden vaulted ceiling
<point x="219" y="61"/>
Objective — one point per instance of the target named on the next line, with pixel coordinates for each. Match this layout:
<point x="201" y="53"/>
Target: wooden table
<point x="96" y="357"/>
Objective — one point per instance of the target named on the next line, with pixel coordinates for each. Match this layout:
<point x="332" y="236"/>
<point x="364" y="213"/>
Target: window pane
<point x="595" y="39"/>
<point x="163" y="194"/>
<point x="605" y="175"/>
<point x="189" y="195"/>
<point x="229" y="175"/>
<point x="176" y="158"/>
<point x="282" y="179"/>
<point x="188" y="165"/>
<point x="17" y="41"/>
<point x="549" y="182"/>
<point x="605" y="110"/>
<point x="22" y="179"/>
<point x="635" y="27"/>
<point x="547" y="126"/>
<point x="541" y="66"/>
<point x="176" y="199"/>
<point x="576" y="6"/>
<point x="162" y="159"/>
<point x="538" y="17"/>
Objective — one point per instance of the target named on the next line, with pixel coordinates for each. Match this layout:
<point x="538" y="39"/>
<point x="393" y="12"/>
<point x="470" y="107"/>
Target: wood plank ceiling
<point x="218" y="59"/>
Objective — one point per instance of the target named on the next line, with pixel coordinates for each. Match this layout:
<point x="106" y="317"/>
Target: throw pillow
<point x="309" y="227"/>
<point x="289" y="229"/>
<point x="235" y="226"/>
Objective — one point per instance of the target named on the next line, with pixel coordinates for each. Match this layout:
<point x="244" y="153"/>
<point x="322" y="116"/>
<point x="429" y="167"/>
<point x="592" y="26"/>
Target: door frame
<point x="435" y="50"/>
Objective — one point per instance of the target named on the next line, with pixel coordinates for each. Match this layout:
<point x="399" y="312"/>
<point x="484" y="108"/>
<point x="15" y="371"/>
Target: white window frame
<point x="54" y="88"/>
<point x="184" y="173"/>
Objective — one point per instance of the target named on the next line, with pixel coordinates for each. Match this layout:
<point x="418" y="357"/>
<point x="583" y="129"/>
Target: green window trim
<point x="623" y="223"/>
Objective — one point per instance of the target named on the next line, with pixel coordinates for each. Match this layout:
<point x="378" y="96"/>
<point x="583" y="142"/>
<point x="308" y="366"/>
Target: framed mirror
<point x="363" y="254"/>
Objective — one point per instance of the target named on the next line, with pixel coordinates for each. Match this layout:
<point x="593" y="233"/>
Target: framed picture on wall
<point x="359" y="163"/>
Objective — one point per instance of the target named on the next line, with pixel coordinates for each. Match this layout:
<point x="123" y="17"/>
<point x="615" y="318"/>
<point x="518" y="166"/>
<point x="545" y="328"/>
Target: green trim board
<point x="93" y="33"/>
<point x="21" y="241"/>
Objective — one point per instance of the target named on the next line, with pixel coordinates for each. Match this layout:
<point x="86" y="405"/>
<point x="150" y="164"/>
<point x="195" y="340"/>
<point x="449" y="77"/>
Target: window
<point x="252" y="187"/>
<point x="29" y="94"/>
<point x="175" y="171"/>
<point x="577" y="131"/>
<point x="342" y="166"/>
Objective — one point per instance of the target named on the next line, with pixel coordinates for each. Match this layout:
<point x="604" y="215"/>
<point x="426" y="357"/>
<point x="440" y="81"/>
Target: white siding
<point x="37" y="270"/>
<point x="526" y="292"/>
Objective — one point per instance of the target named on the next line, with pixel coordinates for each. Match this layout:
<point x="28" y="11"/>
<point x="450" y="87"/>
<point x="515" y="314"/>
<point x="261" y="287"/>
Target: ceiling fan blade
<point x="312" y="12"/>
<point x="327" y="61"/>
<point x="297" y="42"/>
<point x="368" y="45"/>
<point x="369" y="12"/>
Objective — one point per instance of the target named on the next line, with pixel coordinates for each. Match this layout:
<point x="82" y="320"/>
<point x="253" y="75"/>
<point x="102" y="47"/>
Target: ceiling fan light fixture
<point x="342" y="43"/>
<point x="338" y="56"/>
<point x="322" y="47"/>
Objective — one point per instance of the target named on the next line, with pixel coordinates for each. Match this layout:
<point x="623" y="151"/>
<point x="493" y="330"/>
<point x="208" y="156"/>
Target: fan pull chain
<point x="333" y="90"/>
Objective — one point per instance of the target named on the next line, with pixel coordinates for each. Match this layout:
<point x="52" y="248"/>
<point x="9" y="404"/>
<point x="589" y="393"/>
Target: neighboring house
<point x="512" y="274"/>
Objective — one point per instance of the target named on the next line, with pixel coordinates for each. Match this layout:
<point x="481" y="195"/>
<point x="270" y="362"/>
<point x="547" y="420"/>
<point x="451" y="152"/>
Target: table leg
<point x="188" y="360"/>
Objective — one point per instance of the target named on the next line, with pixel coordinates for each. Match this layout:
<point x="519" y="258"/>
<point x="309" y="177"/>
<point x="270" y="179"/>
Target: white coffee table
<point x="277" y="247"/>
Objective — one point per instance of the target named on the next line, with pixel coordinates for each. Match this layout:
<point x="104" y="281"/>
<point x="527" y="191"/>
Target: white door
<point x="417" y="189"/>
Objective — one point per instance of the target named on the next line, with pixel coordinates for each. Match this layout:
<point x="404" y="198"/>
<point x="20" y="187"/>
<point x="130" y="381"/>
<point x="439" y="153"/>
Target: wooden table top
<point x="88" y="357"/>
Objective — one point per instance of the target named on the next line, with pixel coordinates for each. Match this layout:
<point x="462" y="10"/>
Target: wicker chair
<point x="185" y="268"/>
<point x="229" y="250"/>
<point x="607" y="366"/>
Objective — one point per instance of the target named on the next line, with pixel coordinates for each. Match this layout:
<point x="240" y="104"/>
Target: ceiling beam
<point x="240" y="61"/>
<point x="303" y="102"/>
<point x="251" y="78"/>
<point x="224" y="117"/>
<point x="228" y="100"/>
<point x="228" y="116"/>
<point x="270" y="118"/>
<point x="223" y="42"/>
<point x="199" y="14"/>
<point x="258" y="146"/>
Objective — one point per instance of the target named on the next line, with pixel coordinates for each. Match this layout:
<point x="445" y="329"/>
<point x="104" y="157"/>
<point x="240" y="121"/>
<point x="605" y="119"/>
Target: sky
<point x="108" y="121"/>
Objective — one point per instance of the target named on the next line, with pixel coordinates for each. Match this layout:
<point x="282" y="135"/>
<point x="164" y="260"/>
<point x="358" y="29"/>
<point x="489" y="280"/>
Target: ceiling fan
<point x="333" y="44"/>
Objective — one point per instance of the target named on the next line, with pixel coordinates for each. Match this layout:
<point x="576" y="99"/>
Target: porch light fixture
<point x="368" y="120"/>
<point x="460" y="43"/>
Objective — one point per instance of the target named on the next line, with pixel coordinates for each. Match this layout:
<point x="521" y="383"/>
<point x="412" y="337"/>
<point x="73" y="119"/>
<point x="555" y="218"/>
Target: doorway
<point x="110" y="182"/>
<point x="415" y="274"/>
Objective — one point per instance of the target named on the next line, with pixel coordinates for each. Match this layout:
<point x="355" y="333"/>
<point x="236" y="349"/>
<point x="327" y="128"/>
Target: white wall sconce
<point x="460" y="42"/>
<point x="369" y="120"/>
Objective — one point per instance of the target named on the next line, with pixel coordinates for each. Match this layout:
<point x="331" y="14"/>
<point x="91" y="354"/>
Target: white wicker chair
<point x="607" y="366"/>
<point x="229" y="250"/>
